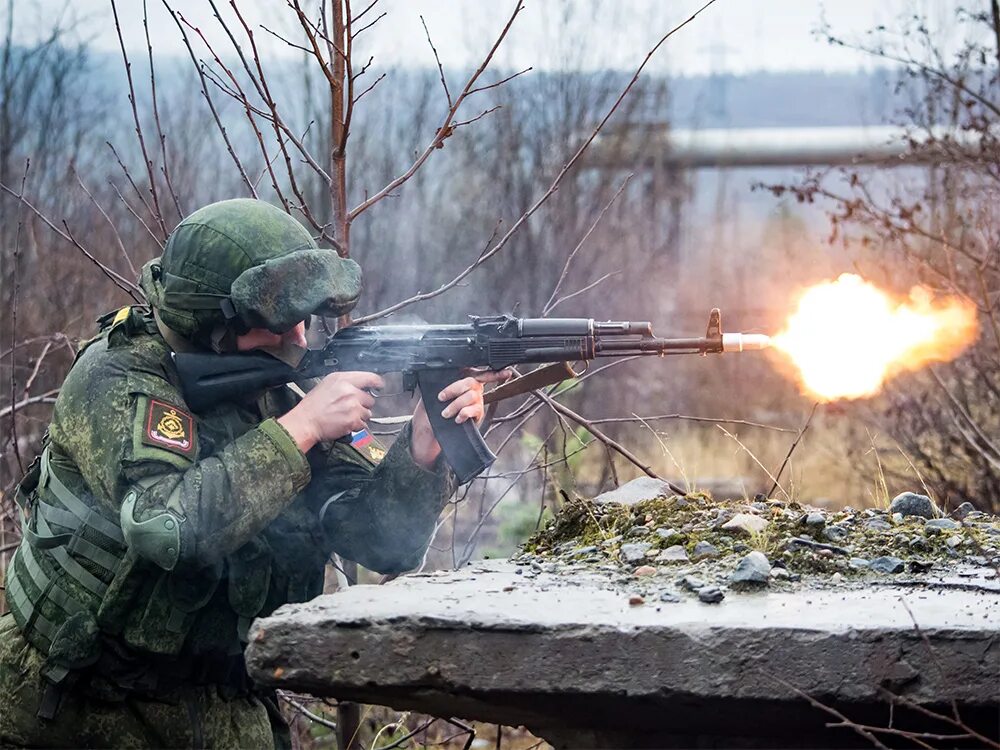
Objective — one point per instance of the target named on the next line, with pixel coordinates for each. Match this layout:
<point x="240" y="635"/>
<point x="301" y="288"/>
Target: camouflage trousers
<point x="192" y="717"/>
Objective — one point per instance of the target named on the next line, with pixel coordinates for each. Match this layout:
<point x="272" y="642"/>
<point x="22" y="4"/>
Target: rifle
<point x="431" y="357"/>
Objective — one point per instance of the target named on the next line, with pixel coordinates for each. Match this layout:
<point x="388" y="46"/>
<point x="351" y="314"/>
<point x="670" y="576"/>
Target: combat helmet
<point x="241" y="264"/>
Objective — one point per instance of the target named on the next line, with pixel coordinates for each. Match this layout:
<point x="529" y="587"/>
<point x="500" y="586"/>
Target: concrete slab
<point x="568" y="656"/>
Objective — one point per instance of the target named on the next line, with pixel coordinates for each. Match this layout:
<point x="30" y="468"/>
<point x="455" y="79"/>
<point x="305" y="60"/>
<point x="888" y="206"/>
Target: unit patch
<point x="169" y="427"/>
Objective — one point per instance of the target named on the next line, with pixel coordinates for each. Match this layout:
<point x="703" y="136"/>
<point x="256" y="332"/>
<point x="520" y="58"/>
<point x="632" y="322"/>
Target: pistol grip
<point x="462" y="444"/>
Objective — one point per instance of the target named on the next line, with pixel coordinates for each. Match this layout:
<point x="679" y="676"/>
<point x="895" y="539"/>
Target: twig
<point x="307" y="713"/>
<point x="604" y="438"/>
<point x="147" y="162"/>
<point x="34" y="372"/>
<point x="445" y="129"/>
<point x="685" y="417"/>
<point x="578" y="292"/>
<point x="13" y="316"/>
<point x="502" y="81"/>
<point x="437" y="59"/>
<point x="569" y="259"/>
<point x="828" y="709"/>
<point x="114" y="228"/>
<point x="120" y="281"/>
<point x="211" y="104"/>
<point x="156" y="116"/>
<point x="404" y="738"/>
<point x="538" y="204"/>
<point x="730" y="435"/>
<point x="791" y="449"/>
<point x="128" y="205"/>
<point x="46" y="398"/>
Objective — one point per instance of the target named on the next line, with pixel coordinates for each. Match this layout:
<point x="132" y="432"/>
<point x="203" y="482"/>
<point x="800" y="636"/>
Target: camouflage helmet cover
<point x="248" y="264"/>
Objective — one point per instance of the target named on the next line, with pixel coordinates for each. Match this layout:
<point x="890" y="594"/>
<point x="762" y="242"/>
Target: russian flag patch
<point x="361" y="438"/>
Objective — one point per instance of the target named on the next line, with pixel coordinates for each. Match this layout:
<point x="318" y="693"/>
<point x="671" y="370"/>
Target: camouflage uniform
<point x="154" y="535"/>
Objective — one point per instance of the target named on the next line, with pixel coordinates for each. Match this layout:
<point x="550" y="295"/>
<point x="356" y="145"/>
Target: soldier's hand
<point x="338" y="405"/>
<point x="464" y="400"/>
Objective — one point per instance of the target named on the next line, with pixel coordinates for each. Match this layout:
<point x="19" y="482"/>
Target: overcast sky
<point x="731" y="35"/>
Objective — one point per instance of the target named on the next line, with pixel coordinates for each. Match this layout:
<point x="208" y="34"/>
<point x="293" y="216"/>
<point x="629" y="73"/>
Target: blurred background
<point x="765" y="147"/>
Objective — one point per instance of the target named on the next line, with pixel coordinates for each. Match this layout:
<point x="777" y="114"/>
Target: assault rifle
<point x="431" y="357"/>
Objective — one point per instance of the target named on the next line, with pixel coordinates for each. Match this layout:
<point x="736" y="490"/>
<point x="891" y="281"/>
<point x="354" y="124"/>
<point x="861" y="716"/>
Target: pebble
<point x="858" y="563"/>
<point x="938" y="525"/>
<point x="704" y="550"/>
<point x="912" y="504"/>
<point x="691" y="583"/>
<point x="711" y="594"/>
<point x="635" y="551"/>
<point x="954" y="541"/>
<point x="745" y="523"/>
<point x="835" y="533"/>
<point x="816" y="519"/>
<point x="645" y="570"/>
<point x="670" y="597"/>
<point x="877" y="524"/>
<point x="667" y="534"/>
<point x="920" y="566"/>
<point x="780" y="574"/>
<point x="897" y="518"/>
<point x="752" y="571"/>
<point x="836" y="578"/>
<point x="635" y="600"/>
<point x="638" y="531"/>
<point x="580" y="551"/>
<point x="612" y="541"/>
<point x="887" y="564"/>
<point x="677" y="553"/>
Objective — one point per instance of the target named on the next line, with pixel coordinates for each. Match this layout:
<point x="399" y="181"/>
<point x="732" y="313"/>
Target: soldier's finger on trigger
<point x="362" y="380"/>
<point x="466" y="399"/>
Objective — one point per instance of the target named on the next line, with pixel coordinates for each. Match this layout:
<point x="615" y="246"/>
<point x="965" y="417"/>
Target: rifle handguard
<point x="543" y="376"/>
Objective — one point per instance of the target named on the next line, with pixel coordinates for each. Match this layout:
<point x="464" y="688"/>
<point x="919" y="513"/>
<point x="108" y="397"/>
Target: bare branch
<point x="791" y="448"/>
<point x="445" y="128"/>
<point x="587" y="288"/>
<point x="569" y="259"/>
<point x="367" y="26"/>
<point x="114" y="229"/>
<point x="501" y="82"/>
<point x="156" y="116"/>
<point x="685" y="417"/>
<point x="34" y="372"/>
<point x="147" y="162"/>
<point x="306" y="712"/>
<point x="373" y="85"/>
<point x="770" y="476"/>
<point x="548" y="193"/>
<point x="211" y="104"/>
<point x="46" y="398"/>
<point x="120" y="281"/>
<point x="13" y="310"/>
<point x="444" y="83"/>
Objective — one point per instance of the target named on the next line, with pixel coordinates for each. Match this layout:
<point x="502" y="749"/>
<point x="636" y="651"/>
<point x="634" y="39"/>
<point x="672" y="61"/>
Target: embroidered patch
<point x="169" y="427"/>
<point x="361" y="438"/>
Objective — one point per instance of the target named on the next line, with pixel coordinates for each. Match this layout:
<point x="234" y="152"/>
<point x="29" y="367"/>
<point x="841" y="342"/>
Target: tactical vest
<point x="79" y="595"/>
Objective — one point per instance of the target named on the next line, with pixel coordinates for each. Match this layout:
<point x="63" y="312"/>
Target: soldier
<point x="153" y="535"/>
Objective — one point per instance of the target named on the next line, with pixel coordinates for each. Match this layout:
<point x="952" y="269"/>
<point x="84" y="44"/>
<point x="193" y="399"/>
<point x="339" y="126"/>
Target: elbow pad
<point x="158" y="538"/>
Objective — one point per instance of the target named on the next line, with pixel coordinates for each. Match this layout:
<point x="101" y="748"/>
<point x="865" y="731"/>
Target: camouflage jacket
<point x="246" y="502"/>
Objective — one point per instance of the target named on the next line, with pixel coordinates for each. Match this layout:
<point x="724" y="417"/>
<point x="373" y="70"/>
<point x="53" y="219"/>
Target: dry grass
<point x="829" y="466"/>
